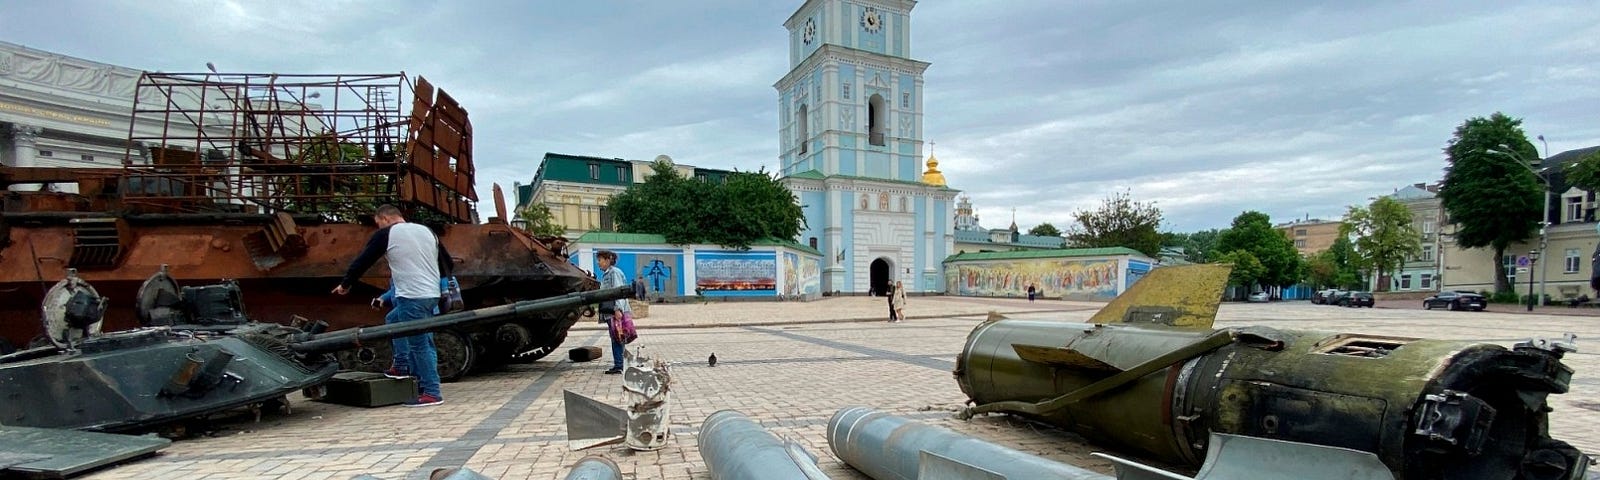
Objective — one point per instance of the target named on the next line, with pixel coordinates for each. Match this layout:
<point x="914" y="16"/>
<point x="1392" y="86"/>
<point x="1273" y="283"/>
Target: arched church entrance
<point x="878" y="274"/>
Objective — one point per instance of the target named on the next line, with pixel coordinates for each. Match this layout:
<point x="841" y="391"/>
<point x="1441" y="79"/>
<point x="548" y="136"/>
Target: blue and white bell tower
<point x="850" y="142"/>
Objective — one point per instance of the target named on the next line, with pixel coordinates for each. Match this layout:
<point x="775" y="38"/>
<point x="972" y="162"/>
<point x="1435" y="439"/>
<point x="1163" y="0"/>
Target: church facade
<point x="851" y="148"/>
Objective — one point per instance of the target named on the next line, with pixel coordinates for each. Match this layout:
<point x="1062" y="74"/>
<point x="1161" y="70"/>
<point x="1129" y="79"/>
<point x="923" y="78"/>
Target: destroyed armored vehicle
<point x="270" y="180"/>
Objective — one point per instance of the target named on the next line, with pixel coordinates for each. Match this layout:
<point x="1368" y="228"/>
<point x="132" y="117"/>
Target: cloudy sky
<point x="1206" y="108"/>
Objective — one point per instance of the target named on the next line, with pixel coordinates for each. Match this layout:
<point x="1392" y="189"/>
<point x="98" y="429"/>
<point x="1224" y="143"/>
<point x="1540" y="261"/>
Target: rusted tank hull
<point x="495" y="263"/>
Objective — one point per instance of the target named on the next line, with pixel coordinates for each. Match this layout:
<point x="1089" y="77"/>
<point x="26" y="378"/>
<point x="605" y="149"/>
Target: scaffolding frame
<point x="336" y="145"/>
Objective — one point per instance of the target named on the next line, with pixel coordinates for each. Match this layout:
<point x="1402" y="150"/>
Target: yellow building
<point x="1311" y="236"/>
<point x="577" y="188"/>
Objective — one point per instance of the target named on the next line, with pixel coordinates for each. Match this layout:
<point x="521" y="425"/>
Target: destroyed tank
<point x="270" y="181"/>
<point x="215" y="360"/>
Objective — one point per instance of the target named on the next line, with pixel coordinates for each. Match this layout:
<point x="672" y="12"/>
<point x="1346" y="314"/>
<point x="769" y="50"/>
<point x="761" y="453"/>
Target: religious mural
<point x="811" y="276"/>
<point x="791" y="274"/>
<point x="1056" y="278"/>
<point x="659" y="273"/>
<point x="730" y="273"/>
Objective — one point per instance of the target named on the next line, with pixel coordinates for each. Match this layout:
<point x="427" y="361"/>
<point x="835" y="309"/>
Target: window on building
<point x="877" y="117"/>
<point x="1405" y="282"/>
<point x="1427" y="253"/>
<point x="606" y="223"/>
<point x="46" y="153"/>
<point x="1299" y="232"/>
<point x="622" y="174"/>
<point x="1300" y="243"/>
<point x="813" y="242"/>
<point x="594" y="171"/>
<point x="846" y="86"/>
<point x="1509" y="261"/>
<point x="905" y="99"/>
<point x="86" y="158"/>
<point x="1573" y="260"/>
<point x="1574" y="209"/>
<point x="1427" y="227"/>
<point x="1427" y="281"/>
<point x="804" y="127"/>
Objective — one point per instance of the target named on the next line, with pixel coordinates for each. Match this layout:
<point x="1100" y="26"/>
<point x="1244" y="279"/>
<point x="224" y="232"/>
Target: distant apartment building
<point x="1311" y="236"/>
<point x="1563" y="268"/>
<point x="577" y="188"/>
<point x="1420" y="272"/>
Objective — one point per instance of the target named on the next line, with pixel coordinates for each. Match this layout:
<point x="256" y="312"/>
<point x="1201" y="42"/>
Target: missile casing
<point x="1158" y="382"/>
<point x="594" y="467"/>
<point x="888" y="447"/>
<point x="737" y="448"/>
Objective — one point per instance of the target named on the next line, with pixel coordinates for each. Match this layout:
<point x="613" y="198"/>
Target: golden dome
<point x="932" y="176"/>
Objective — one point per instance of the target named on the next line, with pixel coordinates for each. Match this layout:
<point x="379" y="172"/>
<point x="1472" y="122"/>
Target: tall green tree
<point x="1583" y="173"/>
<point x="1120" y="221"/>
<point x="1247" y="270"/>
<point x="1252" y="232"/>
<point x="746" y="207"/>
<point x="1344" y="257"/>
<point x="1202" y="245"/>
<point x="1385" y="236"/>
<point x="1489" y="194"/>
<point x="541" y="222"/>
<point x="1044" y="230"/>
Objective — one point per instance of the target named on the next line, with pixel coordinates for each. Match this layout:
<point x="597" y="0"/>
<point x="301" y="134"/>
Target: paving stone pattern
<point x="790" y="365"/>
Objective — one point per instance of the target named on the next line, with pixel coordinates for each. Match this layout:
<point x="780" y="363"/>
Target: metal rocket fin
<point x="1184" y="296"/>
<point x="592" y="423"/>
<point x="1062" y="357"/>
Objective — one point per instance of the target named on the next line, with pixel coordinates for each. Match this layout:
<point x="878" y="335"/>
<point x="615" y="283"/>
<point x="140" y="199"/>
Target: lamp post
<point x="1533" y="259"/>
<point x="1544" y="215"/>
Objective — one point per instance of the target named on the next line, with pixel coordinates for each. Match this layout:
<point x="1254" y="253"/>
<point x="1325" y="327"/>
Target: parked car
<point x="1335" y="296"/>
<point x="1455" y="301"/>
<point x="1321" y="297"/>
<point x="1357" y="299"/>
<point x="1259" y="297"/>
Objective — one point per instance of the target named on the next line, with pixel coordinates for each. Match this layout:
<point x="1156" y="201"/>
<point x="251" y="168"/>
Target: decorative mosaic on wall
<point x="1055" y="278"/>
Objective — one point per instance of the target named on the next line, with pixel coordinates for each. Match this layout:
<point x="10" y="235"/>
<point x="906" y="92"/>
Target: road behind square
<point x="790" y="365"/>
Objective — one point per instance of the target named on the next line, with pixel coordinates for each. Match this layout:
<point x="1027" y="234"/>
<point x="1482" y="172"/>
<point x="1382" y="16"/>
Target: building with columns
<point x="61" y="111"/>
<point x="850" y="143"/>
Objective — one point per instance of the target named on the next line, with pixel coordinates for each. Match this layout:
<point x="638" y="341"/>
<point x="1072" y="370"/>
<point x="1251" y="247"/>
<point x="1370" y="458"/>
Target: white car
<point x="1259" y="297"/>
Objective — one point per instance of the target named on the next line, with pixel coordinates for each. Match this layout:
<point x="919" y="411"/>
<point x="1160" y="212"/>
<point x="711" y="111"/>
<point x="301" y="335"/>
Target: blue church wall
<point x="899" y="22"/>
<point x="847" y="155"/>
<point x="920" y="243"/>
<point x="661" y="269"/>
<point x="847" y="214"/>
<point x="941" y="224"/>
<point x="715" y="272"/>
<point x="878" y="164"/>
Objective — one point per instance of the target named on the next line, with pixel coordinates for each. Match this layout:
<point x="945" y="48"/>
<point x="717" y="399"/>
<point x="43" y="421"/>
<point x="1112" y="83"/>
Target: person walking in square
<point x="888" y="297"/>
<point x="897" y="301"/>
<point x="612" y="312"/>
<point x="415" y="258"/>
<point x="1031" y="292"/>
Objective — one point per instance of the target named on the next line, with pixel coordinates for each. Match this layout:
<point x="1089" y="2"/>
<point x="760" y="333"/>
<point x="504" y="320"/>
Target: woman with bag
<point x="898" y="301"/>
<point x="616" y="314"/>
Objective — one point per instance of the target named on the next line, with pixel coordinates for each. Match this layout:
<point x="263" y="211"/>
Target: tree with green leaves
<point x="1201" y="246"/>
<point x="1584" y="173"/>
<point x="1490" y="194"/>
<point x="1385" y="236"/>
<point x="541" y="222"/>
<point x="1044" y="230"/>
<point x="1247" y="270"/>
<point x="1252" y="232"/>
<point x="745" y="207"/>
<point x="1344" y="257"/>
<point x="1119" y="222"/>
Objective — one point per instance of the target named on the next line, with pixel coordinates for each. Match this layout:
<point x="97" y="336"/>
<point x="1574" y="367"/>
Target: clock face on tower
<point x="871" y="20"/>
<point x="810" y="31"/>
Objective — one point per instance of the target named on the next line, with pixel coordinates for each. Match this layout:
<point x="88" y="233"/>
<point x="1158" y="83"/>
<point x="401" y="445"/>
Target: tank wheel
<point x="455" y="353"/>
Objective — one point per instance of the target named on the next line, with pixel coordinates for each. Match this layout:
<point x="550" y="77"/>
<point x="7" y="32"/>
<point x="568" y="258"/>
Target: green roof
<point x="815" y="175"/>
<point x="619" y="238"/>
<point x="1053" y="253"/>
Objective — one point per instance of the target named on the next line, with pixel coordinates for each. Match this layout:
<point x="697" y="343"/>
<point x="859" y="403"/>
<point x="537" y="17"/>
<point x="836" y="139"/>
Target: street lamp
<point x="1544" y="215"/>
<point x="1533" y="259"/>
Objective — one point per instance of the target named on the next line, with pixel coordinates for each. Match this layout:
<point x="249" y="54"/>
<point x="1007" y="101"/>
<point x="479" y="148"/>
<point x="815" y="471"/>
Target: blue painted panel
<point x="920" y="209"/>
<point x="878" y="164"/>
<point x="847" y="76"/>
<point x="847" y="243"/>
<point x="908" y="168"/>
<point x="847" y="156"/>
<point x="847" y="32"/>
<point x="815" y="207"/>
<point x="736" y="274"/>
<point x="898" y="23"/>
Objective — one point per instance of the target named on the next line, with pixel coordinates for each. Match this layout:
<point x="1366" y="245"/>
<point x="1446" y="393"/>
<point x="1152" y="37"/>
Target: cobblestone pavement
<point x="773" y="366"/>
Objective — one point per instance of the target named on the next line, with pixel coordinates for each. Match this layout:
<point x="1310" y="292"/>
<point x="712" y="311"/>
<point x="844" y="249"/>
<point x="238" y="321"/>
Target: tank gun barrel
<point x="354" y="337"/>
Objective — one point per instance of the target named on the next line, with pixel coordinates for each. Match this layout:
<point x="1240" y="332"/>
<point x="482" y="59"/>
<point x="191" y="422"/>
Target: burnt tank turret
<point x="271" y="180"/>
<point x="203" y="357"/>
